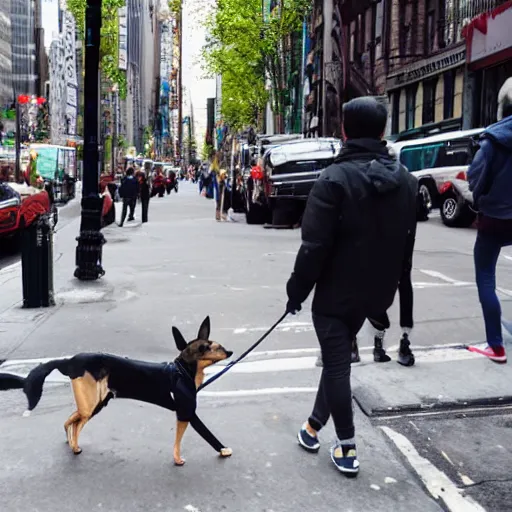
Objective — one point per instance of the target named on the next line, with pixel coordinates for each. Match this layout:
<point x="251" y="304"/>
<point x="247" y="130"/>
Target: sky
<point x="198" y="89"/>
<point x="50" y="20"/>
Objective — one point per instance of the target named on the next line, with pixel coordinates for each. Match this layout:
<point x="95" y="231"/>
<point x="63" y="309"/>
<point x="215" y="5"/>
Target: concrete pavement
<point x="182" y="266"/>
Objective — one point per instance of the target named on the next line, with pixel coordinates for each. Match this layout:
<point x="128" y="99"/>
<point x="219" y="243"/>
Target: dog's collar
<point x="182" y="371"/>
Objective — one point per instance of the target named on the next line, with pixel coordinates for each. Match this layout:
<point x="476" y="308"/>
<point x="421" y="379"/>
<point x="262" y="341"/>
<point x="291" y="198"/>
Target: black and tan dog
<point x="97" y="378"/>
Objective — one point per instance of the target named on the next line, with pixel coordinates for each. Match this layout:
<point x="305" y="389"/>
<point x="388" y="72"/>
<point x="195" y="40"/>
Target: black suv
<point x="291" y="169"/>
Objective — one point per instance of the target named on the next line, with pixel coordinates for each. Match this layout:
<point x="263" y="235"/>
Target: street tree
<point x="246" y="47"/>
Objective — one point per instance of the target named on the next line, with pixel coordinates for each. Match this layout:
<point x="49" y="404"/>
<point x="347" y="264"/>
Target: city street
<point x="437" y="436"/>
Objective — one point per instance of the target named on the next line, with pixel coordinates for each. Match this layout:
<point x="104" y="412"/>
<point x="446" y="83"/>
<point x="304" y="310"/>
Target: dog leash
<point x="248" y="351"/>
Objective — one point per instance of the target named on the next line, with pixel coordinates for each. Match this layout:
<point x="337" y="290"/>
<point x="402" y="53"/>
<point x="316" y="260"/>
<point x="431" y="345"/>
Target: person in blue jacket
<point x="490" y="180"/>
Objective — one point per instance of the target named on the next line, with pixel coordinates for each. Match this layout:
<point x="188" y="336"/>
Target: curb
<point x="448" y="406"/>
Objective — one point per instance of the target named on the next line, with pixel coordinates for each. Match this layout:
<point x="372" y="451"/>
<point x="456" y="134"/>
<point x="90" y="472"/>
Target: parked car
<point x="20" y="205"/>
<point x="291" y="170"/>
<point x="456" y="202"/>
<point x="255" y="186"/>
<point x="437" y="159"/>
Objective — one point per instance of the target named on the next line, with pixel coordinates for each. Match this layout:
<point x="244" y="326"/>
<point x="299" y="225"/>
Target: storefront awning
<point x="489" y="38"/>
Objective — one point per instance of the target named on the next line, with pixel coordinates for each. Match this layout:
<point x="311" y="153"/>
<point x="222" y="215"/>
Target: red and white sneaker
<point x="496" y="354"/>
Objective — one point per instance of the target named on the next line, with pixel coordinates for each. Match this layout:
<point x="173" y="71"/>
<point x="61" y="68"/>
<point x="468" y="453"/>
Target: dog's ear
<point x="181" y="344"/>
<point x="204" y="330"/>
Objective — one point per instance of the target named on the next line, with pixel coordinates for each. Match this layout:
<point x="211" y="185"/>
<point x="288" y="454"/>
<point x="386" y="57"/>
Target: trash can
<point x="37" y="264"/>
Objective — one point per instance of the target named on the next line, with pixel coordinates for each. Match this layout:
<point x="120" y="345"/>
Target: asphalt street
<point x="427" y="437"/>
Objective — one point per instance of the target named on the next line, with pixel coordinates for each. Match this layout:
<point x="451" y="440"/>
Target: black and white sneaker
<point x="307" y="441"/>
<point x="345" y="458"/>
<point x="379" y="354"/>
<point x="405" y="355"/>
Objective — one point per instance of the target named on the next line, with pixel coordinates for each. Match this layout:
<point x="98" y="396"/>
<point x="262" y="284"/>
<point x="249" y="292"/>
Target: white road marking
<point x="28" y="362"/>
<point x="271" y="363"/>
<point x="439" y="275"/>
<point x="504" y="291"/>
<point x="465" y="479"/>
<point x="437" y="483"/>
<point x="10" y="268"/>
<point x="445" y="455"/>
<point x="236" y="393"/>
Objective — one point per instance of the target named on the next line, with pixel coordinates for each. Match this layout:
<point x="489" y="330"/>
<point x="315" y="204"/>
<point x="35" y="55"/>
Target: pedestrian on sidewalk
<point x="490" y="180"/>
<point x="222" y="195"/>
<point x="354" y="232"/>
<point x="129" y="191"/>
<point x="144" y="194"/>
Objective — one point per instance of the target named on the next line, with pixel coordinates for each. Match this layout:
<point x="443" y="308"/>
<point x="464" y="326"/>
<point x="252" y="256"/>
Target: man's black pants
<point x="145" y="207"/>
<point x="128" y="202"/>
<point x="334" y="397"/>
<point x="405" y="293"/>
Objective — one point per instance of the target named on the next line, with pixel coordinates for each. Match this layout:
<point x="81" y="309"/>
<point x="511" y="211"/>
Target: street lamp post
<point x="91" y="240"/>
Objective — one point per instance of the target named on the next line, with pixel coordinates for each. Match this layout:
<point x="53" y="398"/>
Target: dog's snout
<point x="229" y="353"/>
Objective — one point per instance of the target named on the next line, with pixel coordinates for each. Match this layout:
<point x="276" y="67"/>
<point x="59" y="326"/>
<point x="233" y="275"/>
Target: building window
<point x="353" y="40"/>
<point x="403" y="29"/>
<point x="430" y="26"/>
<point x="362" y="34"/>
<point x="429" y="100"/>
<point x="449" y="93"/>
<point x="410" y="106"/>
<point x="395" y="112"/>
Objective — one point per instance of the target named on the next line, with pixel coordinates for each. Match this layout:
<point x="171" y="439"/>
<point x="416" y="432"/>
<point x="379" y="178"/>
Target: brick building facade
<point x="411" y="52"/>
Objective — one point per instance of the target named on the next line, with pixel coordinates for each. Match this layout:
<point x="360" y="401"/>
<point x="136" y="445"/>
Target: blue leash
<point x="248" y="351"/>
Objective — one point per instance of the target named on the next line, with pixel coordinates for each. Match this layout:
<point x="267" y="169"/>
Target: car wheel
<point x="455" y="212"/>
<point x="425" y="192"/>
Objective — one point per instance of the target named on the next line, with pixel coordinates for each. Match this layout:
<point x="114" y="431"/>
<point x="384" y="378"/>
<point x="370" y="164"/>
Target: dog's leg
<point x="70" y="421"/>
<point x="89" y="393"/>
<point x="181" y="426"/>
<point x="203" y="431"/>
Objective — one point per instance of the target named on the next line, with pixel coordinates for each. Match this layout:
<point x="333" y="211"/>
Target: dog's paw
<point x="226" y="452"/>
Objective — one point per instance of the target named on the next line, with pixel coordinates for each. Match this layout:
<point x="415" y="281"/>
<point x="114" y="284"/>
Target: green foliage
<point x="206" y="151"/>
<point x="243" y="48"/>
<point x="174" y="6"/>
<point x="77" y="9"/>
<point x="109" y="45"/>
<point x="107" y="149"/>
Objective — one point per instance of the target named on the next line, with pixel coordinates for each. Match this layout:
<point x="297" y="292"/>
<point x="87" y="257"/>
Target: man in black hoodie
<point x="354" y="233"/>
<point x="129" y="191"/>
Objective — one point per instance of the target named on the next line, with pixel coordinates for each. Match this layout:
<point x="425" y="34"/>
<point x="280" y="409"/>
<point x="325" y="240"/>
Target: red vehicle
<point x="20" y="205"/>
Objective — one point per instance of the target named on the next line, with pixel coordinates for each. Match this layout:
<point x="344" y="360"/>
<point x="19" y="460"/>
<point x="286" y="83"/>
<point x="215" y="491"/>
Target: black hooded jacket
<point x="358" y="217"/>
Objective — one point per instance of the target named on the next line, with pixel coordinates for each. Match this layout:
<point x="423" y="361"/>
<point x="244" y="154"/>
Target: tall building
<point x="23" y="46"/>
<point x="143" y="69"/>
<point x="6" y="85"/>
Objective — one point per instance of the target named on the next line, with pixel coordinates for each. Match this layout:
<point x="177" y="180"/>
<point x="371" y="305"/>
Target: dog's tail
<point x="10" y="381"/>
<point x="35" y="379"/>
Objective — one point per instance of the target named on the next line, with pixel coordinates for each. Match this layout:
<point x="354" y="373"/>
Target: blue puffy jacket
<point x="490" y="174"/>
<point x="129" y="188"/>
